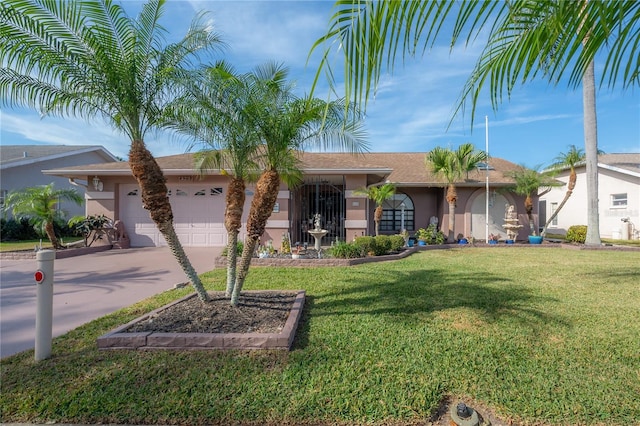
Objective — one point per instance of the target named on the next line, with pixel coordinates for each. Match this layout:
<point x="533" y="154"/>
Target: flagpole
<point x="486" y="216"/>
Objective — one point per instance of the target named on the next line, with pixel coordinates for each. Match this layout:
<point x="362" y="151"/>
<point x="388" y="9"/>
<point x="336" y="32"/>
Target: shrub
<point x="439" y="238"/>
<point x="431" y="235"/>
<point x="382" y="245"/>
<point x="342" y="250"/>
<point x="239" y="248"/>
<point x="366" y="245"/>
<point x="397" y="242"/>
<point x="577" y="234"/>
<point x="423" y="234"/>
<point x="17" y="230"/>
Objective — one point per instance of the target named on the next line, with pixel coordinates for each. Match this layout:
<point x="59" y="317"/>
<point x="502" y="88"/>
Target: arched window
<point x="392" y="214"/>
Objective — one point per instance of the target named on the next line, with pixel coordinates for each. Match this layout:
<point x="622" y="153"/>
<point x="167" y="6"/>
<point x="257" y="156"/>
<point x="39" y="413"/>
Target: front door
<point x="323" y="195"/>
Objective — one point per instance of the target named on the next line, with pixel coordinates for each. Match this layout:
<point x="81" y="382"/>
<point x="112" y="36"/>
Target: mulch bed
<point x="257" y="312"/>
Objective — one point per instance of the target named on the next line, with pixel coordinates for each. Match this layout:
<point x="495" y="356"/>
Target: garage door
<point x="198" y="212"/>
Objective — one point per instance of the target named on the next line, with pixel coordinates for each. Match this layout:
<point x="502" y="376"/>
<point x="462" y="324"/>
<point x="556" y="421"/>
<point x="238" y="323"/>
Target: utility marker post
<point x="44" y="296"/>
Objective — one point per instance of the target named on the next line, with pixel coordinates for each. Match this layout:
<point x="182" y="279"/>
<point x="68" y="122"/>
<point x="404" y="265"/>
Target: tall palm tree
<point x="453" y="166"/>
<point x="40" y="205"/>
<point x="378" y="194"/>
<point x="370" y="35"/>
<point x="571" y="158"/>
<point x="215" y="110"/>
<point x="527" y="39"/>
<point x="288" y="124"/>
<point x="527" y="183"/>
<point x="90" y="59"/>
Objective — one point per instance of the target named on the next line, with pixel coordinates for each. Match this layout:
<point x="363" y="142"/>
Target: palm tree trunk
<point x="262" y="204"/>
<point x="153" y="186"/>
<point x="170" y="236"/>
<point x="570" y="187"/>
<point x="51" y="234"/>
<point x="452" y="198"/>
<point x="233" y="222"/>
<point x="591" y="154"/>
<point x="232" y="260"/>
<point x="528" y="207"/>
<point x="377" y="216"/>
<point x="553" y="216"/>
<point x="243" y="267"/>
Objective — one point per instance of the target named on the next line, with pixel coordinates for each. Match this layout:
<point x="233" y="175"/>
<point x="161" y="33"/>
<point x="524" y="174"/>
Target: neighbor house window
<point x="392" y="214"/>
<point x="554" y="207"/>
<point x="3" y="195"/>
<point x="619" y="200"/>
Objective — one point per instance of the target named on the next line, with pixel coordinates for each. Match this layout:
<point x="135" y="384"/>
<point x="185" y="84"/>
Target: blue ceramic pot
<point x="463" y="241"/>
<point x="493" y="242"/>
<point x="422" y="243"/>
<point x="509" y="241"/>
<point x="535" y="239"/>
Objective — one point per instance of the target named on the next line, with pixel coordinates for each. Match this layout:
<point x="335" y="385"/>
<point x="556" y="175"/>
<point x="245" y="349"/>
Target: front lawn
<point x="540" y="335"/>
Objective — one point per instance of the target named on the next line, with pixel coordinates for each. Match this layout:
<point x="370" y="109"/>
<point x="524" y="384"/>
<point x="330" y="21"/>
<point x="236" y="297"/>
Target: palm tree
<point x="526" y="38"/>
<point x="453" y="166"/>
<point x="288" y="124"/>
<point x="378" y="194"/>
<point x="369" y="35"/>
<point x="569" y="159"/>
<point x="40" y="205"/>
<point x="90" y="59"/>
<point x="214" y="110"/>
<point x="527" y="183"/>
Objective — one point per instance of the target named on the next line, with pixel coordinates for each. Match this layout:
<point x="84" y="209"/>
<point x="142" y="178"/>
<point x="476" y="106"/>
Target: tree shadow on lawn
<point x="409" y="295"/>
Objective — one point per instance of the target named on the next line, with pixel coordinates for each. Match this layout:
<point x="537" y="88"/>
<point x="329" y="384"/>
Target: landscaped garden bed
<point x="262" y="320"/>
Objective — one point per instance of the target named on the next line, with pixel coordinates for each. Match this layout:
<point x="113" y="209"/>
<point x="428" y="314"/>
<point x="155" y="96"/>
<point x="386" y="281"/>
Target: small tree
<point x="529" y="182"/>
<point x="453" y="166"/>
<point x="39" y="204"/>
<point x="378" y="194"/>
<point x="567" y="159"/>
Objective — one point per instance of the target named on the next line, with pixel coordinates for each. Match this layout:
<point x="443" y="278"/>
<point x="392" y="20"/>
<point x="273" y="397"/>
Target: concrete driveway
<point x="87" y="287"/>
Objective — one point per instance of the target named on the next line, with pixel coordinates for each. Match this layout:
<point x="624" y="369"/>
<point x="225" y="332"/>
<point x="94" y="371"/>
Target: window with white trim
<point x="619" y="200"/>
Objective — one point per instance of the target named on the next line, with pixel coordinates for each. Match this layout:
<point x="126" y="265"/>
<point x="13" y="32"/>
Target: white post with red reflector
<point x="44" y="295"/>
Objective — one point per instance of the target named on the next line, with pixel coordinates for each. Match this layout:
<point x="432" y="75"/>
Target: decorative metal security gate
<point x="318" y="195"/>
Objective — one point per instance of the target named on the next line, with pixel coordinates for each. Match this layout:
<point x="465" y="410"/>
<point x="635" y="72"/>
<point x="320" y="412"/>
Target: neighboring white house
<point x="21" y="167"/>
<point x="618" y="193"/>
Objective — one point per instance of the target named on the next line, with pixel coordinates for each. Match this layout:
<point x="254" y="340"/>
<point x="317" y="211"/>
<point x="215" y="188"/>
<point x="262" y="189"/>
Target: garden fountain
<point x="511" y="223"/>
<point x="317" y="232"/>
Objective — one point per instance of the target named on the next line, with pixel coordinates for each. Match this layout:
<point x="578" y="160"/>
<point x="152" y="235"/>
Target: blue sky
<point x="412" y="108"/>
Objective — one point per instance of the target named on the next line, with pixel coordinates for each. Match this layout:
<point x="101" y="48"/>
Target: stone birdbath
<point x="317" y="232"/>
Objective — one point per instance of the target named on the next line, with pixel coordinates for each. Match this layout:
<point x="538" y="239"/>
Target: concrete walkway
<point x="88" y="287"/>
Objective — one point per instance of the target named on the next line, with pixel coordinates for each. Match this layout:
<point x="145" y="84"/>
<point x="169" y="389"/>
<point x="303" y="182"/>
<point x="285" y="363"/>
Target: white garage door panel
<point x="198" y="213"/>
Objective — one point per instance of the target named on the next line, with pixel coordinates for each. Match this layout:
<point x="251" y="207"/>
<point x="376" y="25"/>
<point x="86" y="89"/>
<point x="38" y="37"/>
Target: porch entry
<point x="324" y="195"/>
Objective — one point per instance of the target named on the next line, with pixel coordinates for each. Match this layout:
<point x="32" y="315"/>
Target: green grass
<point x="31" y="244"/>
<point x="540" y="335"/>
<point x="23" y="245"/>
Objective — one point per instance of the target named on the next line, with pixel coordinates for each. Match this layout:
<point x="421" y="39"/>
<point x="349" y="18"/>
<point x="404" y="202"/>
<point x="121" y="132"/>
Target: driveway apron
<point x="88" y="287"/>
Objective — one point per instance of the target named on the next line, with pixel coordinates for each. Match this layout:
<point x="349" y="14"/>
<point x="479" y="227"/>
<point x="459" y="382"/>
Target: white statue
<point x="316" y="221"/>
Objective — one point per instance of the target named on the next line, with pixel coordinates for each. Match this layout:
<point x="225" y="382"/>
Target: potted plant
<point x="493" y="238"/>
<point x="423" y="236"/>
